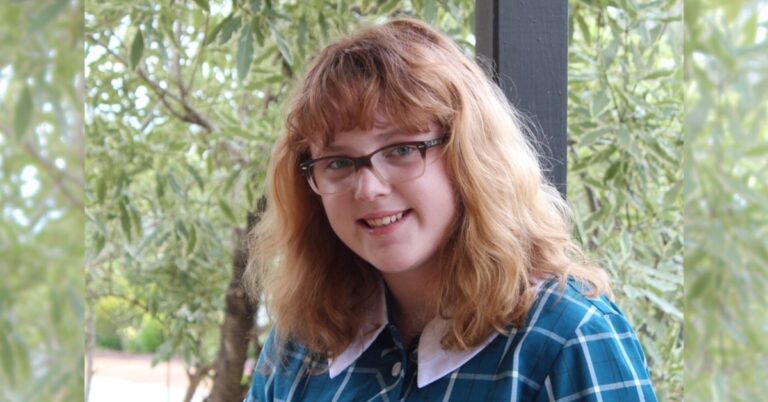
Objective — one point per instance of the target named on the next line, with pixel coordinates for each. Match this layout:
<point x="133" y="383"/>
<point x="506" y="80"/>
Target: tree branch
<point x="57" y="175"/>
<point x="177" y="62"/>
<point x="190" y="114"/>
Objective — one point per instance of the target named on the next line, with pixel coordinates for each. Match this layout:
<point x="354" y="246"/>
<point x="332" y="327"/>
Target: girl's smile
<point x="382" y="223"/>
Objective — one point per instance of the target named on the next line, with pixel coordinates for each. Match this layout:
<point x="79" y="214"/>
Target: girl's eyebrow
<point x="383" y="137"/>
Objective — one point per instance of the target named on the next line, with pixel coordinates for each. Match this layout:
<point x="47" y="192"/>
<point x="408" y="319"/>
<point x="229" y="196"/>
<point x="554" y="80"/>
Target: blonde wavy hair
<point x="513" y="226"/>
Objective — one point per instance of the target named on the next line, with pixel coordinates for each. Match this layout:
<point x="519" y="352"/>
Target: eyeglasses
<point x="393" y="164"/>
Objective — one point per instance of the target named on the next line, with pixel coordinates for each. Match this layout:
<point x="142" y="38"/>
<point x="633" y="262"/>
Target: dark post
<point x="527" y="41"/>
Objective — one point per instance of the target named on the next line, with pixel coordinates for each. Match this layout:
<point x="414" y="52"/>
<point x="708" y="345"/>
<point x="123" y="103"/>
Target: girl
<point x="414" y="250"/>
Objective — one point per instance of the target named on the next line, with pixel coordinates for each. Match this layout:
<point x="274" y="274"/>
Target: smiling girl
<point x="412" y="250"/>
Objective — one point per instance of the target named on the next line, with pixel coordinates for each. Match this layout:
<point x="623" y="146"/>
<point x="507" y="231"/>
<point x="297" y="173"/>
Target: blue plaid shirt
<point x="572" y="348"/>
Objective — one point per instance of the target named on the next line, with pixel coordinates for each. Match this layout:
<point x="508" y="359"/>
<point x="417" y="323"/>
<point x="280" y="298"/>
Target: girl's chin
<point x="388" y="268"/>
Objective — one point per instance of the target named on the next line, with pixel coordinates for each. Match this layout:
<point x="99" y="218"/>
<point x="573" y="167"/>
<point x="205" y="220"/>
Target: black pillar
<point x="527" y="41"/>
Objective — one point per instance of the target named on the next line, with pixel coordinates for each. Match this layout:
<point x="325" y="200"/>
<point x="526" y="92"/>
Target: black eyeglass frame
<point x="365" y="160"/>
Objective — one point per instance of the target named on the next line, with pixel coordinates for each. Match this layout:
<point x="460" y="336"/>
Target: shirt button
<point x="396" y="369"/>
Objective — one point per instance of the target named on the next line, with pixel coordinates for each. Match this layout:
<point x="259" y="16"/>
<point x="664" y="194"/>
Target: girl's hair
<point x="513" y="227"/>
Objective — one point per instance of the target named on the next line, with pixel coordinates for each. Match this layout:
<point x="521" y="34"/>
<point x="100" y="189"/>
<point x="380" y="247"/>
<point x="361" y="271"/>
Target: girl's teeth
<point x="384" y="221"/>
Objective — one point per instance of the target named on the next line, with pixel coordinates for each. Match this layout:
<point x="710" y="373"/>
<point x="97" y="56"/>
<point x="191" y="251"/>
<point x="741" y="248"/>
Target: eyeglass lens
<point x="394" y="164"/>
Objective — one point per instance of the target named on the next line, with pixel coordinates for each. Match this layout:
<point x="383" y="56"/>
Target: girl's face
<point x="421" y="211"/>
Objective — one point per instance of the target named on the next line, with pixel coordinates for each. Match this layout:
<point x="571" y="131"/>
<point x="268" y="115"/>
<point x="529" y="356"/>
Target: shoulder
<point x="583" y="320"/>
<point x="567" y="311"/>
<point x="591" y="348"/>
<point x="566" y="316"/>
<point x="559" y="316"/>
<point x="280" y="363"/>
<point x="569" y="306"/>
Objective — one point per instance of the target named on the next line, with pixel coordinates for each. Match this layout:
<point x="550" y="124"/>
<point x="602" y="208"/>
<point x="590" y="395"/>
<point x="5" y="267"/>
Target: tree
<point x="184" y="102"/>
<point x="41" y="200"/>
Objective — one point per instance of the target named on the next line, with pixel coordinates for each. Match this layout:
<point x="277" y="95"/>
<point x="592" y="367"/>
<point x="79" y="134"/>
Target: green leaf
<point x="195" y="175"/>
<point x="175" y="185"/>
<point x="389" y="7"/>
<point x="211" y="36"/>
<point x="159" y="186"/>
<point x="22" y="115"/>
<point x="191" y="240"/>
<point x="659" y="73"/>
<point x="323" y="25"/>
<point x="591" y="136"/>
<point x="41" y="20"/>
<point x="255" y="6"/>
<point x="99" y="242"/>
<point x="258" y="31"/>
<point x="612" y="170"/>
<point x="302" y="35"/>
<point x="22" y="361"/>
<point x="125" y="220"/>
<point x="228" y="27"/>
<point x="244" y="52"/>
<point x="204" y="5"/>
<point x="137" y="49"/>
<point x="136" y="220"/>
<point x="663" y="304"/>
<point x="8" y="357"/>
<point x="623" y="138"/>
<point x="181" y="228"/>
<point x="282" y="45"/>
<point x="760" y="150"/>
<point x="101" y="189"/>
<point x="673" y="194"/>
<point x="430" y="11"/>
<point x="227" y="210"/>
<point x="161" y="240"/>
<point x="231" y="180"/>
<point x="598" y="103"/>
<point x="584" y="28"/>
<point x="750" y="30"/>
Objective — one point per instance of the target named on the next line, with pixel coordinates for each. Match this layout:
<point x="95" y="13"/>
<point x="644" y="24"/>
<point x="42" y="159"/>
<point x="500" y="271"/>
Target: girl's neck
<point x="414" y="302"/>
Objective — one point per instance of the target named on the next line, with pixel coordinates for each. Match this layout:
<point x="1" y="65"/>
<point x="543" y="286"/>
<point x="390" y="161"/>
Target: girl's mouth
<point x="384" y="222"/>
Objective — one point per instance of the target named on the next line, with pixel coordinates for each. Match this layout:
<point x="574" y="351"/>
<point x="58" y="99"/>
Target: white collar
<point x="434" y="362"/>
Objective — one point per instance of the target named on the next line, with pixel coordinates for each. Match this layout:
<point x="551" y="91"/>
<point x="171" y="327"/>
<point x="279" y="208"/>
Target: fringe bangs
<point x="353" y="81"/>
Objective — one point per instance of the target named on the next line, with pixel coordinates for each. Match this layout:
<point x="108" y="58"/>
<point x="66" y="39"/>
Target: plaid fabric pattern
<point x="572" y="348"/>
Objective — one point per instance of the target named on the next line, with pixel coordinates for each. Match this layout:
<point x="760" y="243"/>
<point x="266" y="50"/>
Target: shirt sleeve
<point x="263" y="373"/>
<point x="602" y="361"/>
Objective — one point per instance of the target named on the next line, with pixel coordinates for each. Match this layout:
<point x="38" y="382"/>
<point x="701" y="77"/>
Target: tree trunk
<point x="195" y="377"/>
<point x="237" y="330"/>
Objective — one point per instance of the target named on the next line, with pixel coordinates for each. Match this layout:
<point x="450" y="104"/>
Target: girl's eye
<point x="402" y="150"/>
<point x="341" y="163"/>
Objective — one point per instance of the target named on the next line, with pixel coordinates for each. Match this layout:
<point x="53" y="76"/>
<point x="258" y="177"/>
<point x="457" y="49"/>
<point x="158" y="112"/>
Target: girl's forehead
<point x="353" y="132"/>
<point x="359" y="139"/>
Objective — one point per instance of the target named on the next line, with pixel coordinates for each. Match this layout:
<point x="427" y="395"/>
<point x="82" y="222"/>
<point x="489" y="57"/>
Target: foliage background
<point x="726" y="200"/>
<point x="41" y="201"/>
<point x="625" y="110"/>
<point x="184" y="101"/>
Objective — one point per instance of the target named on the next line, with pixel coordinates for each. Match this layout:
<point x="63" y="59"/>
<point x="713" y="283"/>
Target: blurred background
<point x="726" y="200"/>
<point x="180" y="106"/>
<point x="41" y="201"/>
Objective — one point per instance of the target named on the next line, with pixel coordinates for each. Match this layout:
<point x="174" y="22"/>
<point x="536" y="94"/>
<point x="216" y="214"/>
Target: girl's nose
<point x="370" y="185"/>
